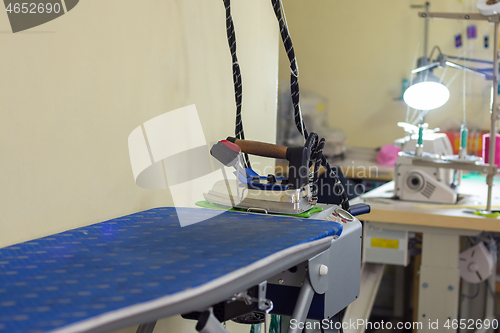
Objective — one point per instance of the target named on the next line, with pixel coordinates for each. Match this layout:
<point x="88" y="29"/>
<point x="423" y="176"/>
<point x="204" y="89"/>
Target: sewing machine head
<point x="433" y="142"/>
<point x="423" y="183"/>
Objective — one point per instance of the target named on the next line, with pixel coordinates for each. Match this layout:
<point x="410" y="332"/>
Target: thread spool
<point x="464" y="133"/>
<point x="486" y="149"/>
<point x="488" y="7"/>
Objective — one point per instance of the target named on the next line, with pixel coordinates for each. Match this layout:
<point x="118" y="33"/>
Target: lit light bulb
<point x="427" y="95"/>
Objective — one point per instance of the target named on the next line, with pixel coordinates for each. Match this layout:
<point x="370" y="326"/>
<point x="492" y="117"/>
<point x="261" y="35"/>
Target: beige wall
<point x="73" y="89"/>
<point x="356" y="54"/>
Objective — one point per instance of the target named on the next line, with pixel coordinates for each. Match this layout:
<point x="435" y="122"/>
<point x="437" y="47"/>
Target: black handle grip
<point x="360" y="209"/>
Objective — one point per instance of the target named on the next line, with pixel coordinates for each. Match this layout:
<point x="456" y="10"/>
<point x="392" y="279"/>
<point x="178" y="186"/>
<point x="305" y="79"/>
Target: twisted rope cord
<point x="317" y="145"/>
<point x="231" y="39"/>
<point x="294" y="68"/>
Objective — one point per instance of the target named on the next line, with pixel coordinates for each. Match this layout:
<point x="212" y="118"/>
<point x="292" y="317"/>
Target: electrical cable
<point x="231" y="39"/>
<point x="472" y="60"/>
<point x="471" y="240"/>
<point x="493" y="295"/>
<point x="414" y="117"/>
<point x="317" y="163"/>
<point x="443" y="75"/>
<point x="463" y="53"/>
<point x="411" y="75"/>
<point x="464" y="85"/>
<point x="473" y="296"/>
<point x="294" y="69"/>
<point x="433" y="49"/>
<point x="314" y="142"/>
<point x="315" y="146"/>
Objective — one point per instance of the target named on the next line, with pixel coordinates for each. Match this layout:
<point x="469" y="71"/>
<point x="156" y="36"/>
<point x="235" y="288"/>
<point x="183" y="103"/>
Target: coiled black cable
<point x="316" y="158"/>
<point x="316" y="145"/>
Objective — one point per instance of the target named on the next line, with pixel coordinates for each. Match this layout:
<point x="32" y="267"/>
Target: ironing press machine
<point x="249" y="191"/>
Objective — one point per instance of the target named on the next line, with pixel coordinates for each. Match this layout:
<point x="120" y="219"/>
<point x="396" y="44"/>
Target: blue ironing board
<point x="144" y="266"/>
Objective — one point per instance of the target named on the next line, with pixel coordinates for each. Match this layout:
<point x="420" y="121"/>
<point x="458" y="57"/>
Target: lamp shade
<point x="426" y="92"/>
<point x="427" y="95"/>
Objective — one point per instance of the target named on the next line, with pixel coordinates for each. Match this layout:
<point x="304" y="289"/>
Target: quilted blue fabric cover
<point x="75" y="275"/>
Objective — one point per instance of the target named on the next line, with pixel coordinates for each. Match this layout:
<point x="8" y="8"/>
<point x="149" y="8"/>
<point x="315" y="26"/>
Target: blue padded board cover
<point x="75" y="275"/>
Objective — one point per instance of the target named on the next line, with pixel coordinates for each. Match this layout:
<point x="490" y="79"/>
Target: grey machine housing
<point x="335" y="290"/>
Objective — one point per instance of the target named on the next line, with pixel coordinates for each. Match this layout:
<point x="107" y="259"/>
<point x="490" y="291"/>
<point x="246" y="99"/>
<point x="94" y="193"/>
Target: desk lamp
<point x="427" y="92"/>
<point x="434" y="94"/>
<point x="425" y="98"/>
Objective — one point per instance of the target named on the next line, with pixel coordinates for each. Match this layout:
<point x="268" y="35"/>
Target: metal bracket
<point x="293" y="277"/>
<point x="461" y="16"/>
<point x="486" y="168"/>
<point x="243" y="296"/>
<point x="264" y="304"/>
<point x="257" y="210"/>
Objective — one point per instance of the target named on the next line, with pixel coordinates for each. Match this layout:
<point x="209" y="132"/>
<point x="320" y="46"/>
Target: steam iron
<point x="269" y="194"/>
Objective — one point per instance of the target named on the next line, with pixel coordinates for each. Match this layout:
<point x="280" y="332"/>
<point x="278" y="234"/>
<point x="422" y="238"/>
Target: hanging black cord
<point x="311" y="142"/>
<point x="294" y="75"/>
<point x="231" y="39"/>
<point x="316" y="146"/>
<point x="316" y="149"/>
<point x="317" y="163"/>
<point x="344" y="200"/>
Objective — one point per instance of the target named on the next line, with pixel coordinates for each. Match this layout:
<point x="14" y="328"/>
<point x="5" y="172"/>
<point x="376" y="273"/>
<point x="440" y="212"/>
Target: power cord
<point x="315" y="145"/>
<point x="238" y="93"/>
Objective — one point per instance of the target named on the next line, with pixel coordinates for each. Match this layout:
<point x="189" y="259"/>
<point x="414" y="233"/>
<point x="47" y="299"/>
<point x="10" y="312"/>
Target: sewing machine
<point x="434" y="143"/>
<point x="426" y="169"/>
<point x="423" y="183"/>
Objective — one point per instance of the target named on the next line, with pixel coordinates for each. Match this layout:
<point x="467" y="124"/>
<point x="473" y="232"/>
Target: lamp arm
<point x="441" y="55"/>
<point x="471" y="60"/>
<point x="426" y="67"/>
<point x="467" y="68"/>
<point x="433" y="49"/>
<point x="442" y="60"/>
